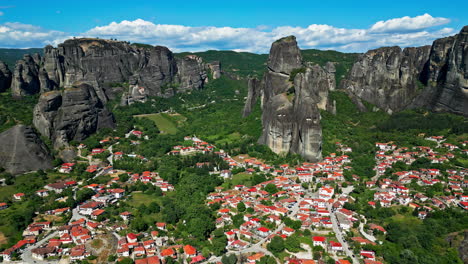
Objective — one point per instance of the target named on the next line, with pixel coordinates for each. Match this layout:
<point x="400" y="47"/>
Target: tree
<point x="83" y="195"/>
<point x="292" y="244"/>
<point x="258" y="178"/>
<point x="271" y="188"/>
<point x="139" y="224"/>
<point x="241" y="207"/>
<point x="154" y="207"/>
<point x="229" y="259"/>
<point x="276" y="245"/>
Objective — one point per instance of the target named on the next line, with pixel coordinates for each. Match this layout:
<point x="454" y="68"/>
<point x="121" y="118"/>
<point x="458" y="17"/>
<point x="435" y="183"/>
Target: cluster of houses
<point x="395" y="192"/>
<point x="155" y="248"/>
<point x="197" y="146"/>
<point x="388" y="154"/>
<point x="265" y="213"/>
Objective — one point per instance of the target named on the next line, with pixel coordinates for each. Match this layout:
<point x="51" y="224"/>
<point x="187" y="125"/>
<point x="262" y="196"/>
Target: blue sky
<point x="237" y="25"/>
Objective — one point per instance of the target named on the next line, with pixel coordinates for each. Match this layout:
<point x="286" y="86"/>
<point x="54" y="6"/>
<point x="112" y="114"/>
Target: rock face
<point x="446" y="75"/>
<point x="434" y="77"/>
<point x="292" y="94"/>
<point x="254" y="90"/>
<point x="5" y="77"/>
<point x="92" y="71"/>
<point x="26" y="77"/>
<point x="21" y="150"/>
<point x="103" y="62"/>
<point x="388" y="77"/>
<point x="72" y="114"/>
<point x="191" y="73"/>
<point x="215" y="68"/>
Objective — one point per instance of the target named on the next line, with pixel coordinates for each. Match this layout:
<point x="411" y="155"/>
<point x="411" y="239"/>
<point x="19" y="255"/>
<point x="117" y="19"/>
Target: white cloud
<point x="18" y="35"/>
<point x="405" y="31"/>
<point x="407" y="24"/>
<point x="1" y="13"/>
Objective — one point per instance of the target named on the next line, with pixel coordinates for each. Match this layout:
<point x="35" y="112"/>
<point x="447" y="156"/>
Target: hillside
<point x="244" y="63"/>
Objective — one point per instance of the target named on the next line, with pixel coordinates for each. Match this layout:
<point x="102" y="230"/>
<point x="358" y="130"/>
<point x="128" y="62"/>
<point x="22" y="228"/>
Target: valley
<point x="204" y="165"/>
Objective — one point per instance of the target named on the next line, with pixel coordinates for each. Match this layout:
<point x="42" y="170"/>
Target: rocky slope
<point x="292" y="94"/>
<point x="71" y="114"/>
<point x="434" y="76"/>
<point x="21" y="150"/>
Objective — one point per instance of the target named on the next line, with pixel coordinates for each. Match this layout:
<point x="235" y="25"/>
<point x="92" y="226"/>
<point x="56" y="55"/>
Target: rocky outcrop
<point x="388" y="77"/>
<point x="254" y="90"/>
<point x="215" y="68"/>
<point x="446" y="76"/>
<point x="101" y="68"/>
<point x="22" y="150"/>
<point x="5" y="77"/>
<point x="191" y="74"/>
<point x="103" y="62"/>
<point x="434" y="77"/>
<point x="292" y="94"/>
<point x="72" y="114"/>
<point x="26" y="77"/>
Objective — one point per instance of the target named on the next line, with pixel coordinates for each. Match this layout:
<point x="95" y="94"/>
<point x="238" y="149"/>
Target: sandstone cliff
<point x="388" y="77"/>
<point x="292" y="94"/>
<point x="21" y="150"/>
<point x="100" y="62"/>
<point x="446" y="75"/>
<point x="72" y="114"/>
<point x="434" y="77"/>
<point x="78" y="111"/>
<point x="5" y="77"/>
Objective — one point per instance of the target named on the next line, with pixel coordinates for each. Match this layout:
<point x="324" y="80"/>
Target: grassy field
<point x="166" y="123"/>
<point x="141" y="198"/>
<point x="238" y="179"/>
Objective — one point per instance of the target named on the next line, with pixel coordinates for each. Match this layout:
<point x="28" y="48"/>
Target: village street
<point x="338" y="232"/>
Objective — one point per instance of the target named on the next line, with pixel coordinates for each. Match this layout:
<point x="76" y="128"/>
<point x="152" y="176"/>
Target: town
<point x="301" y="213"/>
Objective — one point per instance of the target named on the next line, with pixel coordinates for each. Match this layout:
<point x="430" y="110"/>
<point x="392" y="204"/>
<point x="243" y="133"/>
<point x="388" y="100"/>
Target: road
<point x="111" y="157"/>
<point x="338" y="232"/>
<point x="366" y="235"/>
<point x="26" y="256"/>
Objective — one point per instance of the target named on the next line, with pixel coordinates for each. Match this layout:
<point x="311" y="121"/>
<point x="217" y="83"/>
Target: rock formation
<point x="26" y="77"/>
<point x="5" y="77"/>
<point x="254" y="86"/>
<point x="215" y="68"/>
<point x="72" y="114"/>
<point x="388" y="77"/>
<point x="446" y="75"/>
<point x="101" y="68"/>
<point x="292" y="94"/>
<point x="434" y="77"/>
<point x="191" y="73"/>
<point x="103" y="62"/>
<point x="22" y="150"/>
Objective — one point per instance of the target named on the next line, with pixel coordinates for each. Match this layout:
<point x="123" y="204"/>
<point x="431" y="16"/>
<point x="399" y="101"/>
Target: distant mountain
<point x="10" y="56"/>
